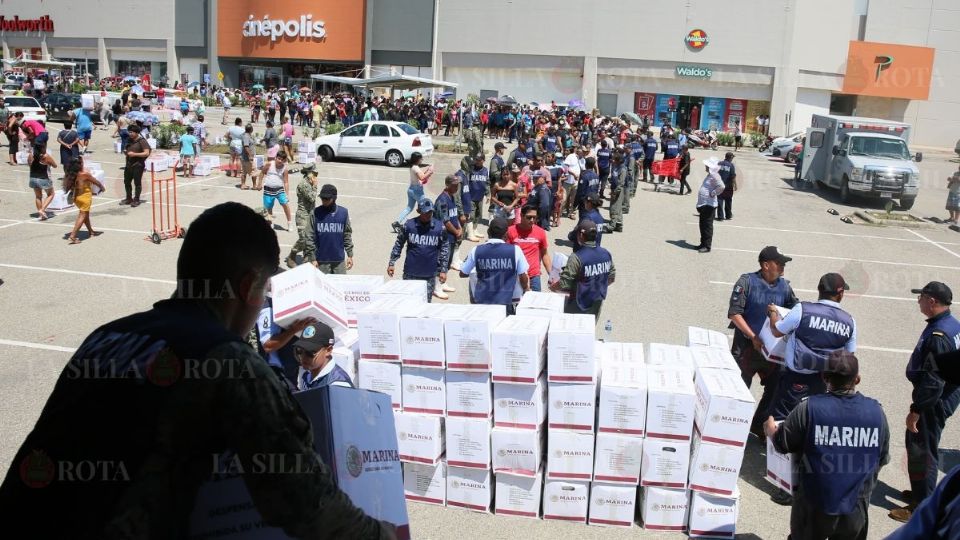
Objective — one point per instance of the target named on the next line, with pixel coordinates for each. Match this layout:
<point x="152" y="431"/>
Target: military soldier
<point x="428" y="252"/>
<point x="314" y="351"/>
<point x="588" y="273"/>
<point x="180" y="416"/>
<point x="332" y="238"/>
<point x="933" y="400"/>
<point x="499" y="266"/>
<point x="843" y="439"/>
<point x="306" y="202"/>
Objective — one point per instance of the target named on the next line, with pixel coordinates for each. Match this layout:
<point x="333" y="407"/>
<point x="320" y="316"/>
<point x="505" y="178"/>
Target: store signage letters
<point x="16" y="24"/>
<point x="304" y="27"/>
<point x="696" y="72"/>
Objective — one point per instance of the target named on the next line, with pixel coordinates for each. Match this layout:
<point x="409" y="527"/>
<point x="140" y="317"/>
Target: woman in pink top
<point x="286" y="137"/>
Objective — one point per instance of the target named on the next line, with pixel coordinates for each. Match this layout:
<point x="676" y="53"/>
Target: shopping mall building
<point x="698" y="63"/>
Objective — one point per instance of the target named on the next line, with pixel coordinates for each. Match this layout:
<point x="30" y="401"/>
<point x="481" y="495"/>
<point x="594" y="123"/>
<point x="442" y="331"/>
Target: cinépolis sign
<point x="694" y="72"/>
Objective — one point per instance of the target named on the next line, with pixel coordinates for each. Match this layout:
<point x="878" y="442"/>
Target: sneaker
<point x="448" y="288"/>
<point x="291" y="261"/>
<point x="440" y="294"/>
<point x="704" y="250"/>
<point x="782" y="498"/>
<point x="902" y="514"/>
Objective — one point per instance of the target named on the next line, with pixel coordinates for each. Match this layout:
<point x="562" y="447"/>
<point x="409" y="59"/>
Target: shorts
<point x="85" y="134"/>
<point x="41" y="183"/>
<point x="269" y="199"/>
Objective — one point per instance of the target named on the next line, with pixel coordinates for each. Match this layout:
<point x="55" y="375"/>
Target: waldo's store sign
<point x="694" y="72"/>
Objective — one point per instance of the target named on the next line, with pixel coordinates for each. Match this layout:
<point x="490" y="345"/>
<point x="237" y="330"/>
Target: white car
<point x="781" y="145"/>
<point x="392" y="142"/>
<point x="29" y="106"/>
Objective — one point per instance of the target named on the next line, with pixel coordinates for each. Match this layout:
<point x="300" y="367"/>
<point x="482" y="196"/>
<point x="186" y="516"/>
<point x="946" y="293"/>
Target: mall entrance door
<point x="689" y="109"/>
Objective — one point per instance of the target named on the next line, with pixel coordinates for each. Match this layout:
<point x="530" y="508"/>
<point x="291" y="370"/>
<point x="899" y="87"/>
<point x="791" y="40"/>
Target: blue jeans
<point x="413" y="195"/>
<point x="535" y="283"/>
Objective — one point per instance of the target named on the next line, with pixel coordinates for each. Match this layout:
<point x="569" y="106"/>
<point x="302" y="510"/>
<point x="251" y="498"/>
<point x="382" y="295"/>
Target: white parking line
<point x="938" y="244"/>
<point x="851" y="295"/>
<point x="826" y="233"/>
<point x="42" y="346"/>
<point x="870" y="261"/>
<point x="91" y="274"/>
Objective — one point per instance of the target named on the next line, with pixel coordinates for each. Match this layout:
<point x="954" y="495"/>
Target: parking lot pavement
<point x="56" y="293"/>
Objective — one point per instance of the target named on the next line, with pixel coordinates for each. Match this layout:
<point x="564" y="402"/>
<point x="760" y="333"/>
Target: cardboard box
<point x="469" y="395"/>
<point x="540" y="304"/>
<point x="712" y="516"/>
<point x="724" y="407"/>
<point x="612" y="505"/>
<point x="665" y="463"/>
<point x="664" y="509"/>
<point x="570" y="349"/>
<point x="617" y="459"/>
<point x="779" y="467"/>
<point x="623" y="399"/>
<point x="714" y="468"/>
<point x="413" y="290"/>
<point x="774" y="349"/>
<point x="468" y="341"/>
<point x="305" y="292"/>
<point x="468" y="442"/>
<point x="382" y="377"/>
<point x="352" y="437"/>
<point x="424" y="391"/>
<point x="520" y="406"/>
<point x="421" y="333"/>
<point x="570" y="455"/>
<point x="566" y="501"/>
<point x="713" y="358"/>
<point x="419" y="437"/>
<point x="471" y="489"/>
<point x="516" y="452"/>
<point x="674" y="356"/>
<point x="518" y="495"/>
<point x="357" y="292"/>
<point x="425" y="483"/>
<point x="379" y="327"/>
<point x="572" y="406"/>
<point x="633" y="353"/>
<point x="518" y="346"/>
<point x="671" y="403"/>
<point x="701" y="337"/>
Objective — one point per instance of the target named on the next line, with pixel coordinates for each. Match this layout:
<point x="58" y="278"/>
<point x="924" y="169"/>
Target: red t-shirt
<point x="530" y="244"/>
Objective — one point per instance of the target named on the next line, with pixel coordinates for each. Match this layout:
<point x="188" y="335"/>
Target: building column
<point x="173" y="67"/>
<point x="589" y="85"/>
<point x="103" y="60"/>
<point x="784" y="97"/>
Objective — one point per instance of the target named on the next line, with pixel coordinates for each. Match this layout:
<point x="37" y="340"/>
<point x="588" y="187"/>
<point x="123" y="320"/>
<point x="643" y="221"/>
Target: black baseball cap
<point x="936" y="290"/>
<point x="771" y="253"/>
<point x="832" y="283"/>
<point x="315" y="337"/>
<point x="328" y="191"/>
<point x="498" y="227"/>
<point x="843" y="363"/>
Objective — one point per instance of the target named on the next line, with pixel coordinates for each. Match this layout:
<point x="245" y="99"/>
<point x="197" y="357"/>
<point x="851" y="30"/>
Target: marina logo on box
<point x="354" y="461"/>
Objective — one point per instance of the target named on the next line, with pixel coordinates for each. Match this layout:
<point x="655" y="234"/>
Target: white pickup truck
<point x="865" y="157"/>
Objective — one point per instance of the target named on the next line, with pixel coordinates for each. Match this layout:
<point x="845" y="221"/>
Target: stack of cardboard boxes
<point x="530" y="415"/>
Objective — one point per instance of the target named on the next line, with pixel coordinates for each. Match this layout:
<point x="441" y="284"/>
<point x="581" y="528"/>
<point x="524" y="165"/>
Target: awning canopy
<point x="23" y="61"/>
<point x="397" y="82"/>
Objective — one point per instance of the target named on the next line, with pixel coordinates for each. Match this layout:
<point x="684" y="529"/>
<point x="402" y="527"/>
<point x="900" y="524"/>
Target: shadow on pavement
<point x="682" y="244"/>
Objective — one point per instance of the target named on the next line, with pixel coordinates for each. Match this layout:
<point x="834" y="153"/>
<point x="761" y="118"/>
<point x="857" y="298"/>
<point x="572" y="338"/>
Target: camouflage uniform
<point x="306" y="202"/>
<point x="130" y="402"/>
